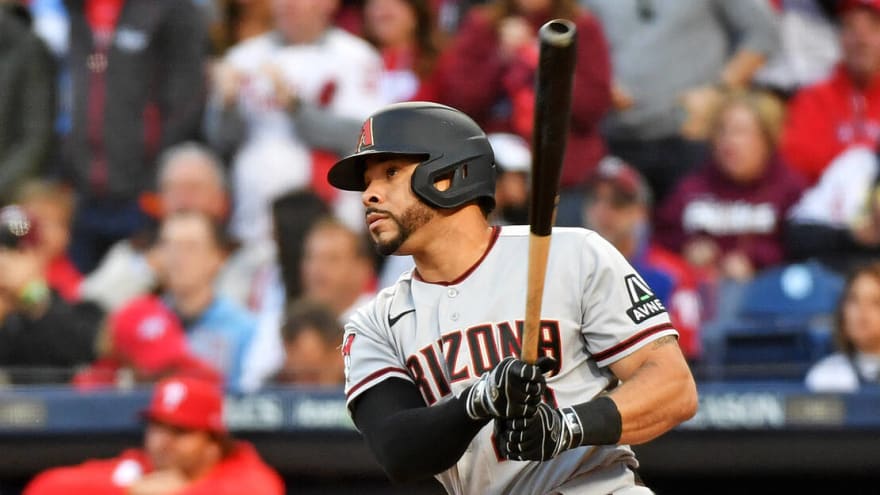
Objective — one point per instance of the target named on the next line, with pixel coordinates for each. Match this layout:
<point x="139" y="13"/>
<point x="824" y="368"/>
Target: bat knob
<point x="558" y="32"/>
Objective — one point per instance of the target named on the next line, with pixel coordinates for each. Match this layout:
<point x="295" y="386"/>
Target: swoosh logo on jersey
<point x="392" y="321"/>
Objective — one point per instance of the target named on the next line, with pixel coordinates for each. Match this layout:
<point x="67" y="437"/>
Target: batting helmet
<point x="448" y="143"/>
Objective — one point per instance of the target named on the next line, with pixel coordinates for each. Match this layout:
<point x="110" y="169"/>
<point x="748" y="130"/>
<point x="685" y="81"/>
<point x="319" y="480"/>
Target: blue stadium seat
<point x="782" y="324"/>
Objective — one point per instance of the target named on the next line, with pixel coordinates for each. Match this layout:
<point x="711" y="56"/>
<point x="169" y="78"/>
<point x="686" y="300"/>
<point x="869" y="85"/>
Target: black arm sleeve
<point x="410" y="440"/>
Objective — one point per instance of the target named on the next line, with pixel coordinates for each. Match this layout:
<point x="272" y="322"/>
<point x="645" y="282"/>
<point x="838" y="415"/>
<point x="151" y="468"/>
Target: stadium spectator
<point x="856" y="364"/>
<point x="809" y="47"/>
<point x="143" y="343"/>
<point x="337" y="271"/>
<point x="51" y="205"/>
<point x="844" y="110"/>
<point x="41" y="335"/>
<point x="186" y="450"/>
<point x="305" y="61"/>
<point x="190" y="177"/>
<point x="337" y="267"/>
<point x="617" y="206"/>
<point x="837" y="220"/>
<point x="27" y="101"/>
<point x="488" y="72"/>
<point x="294" y="214"/>
<point x="404" y="32"/>
<point x="669" y="59"/>
<point x="137" y="87"/>
<point x="189" y="256"/>
<point x="726" y="218"/>
<point x="312" y="335"/>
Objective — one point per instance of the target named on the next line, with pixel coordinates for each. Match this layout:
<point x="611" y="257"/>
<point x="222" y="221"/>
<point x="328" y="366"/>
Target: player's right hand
<point x="539" y="438"/>
<point x="512" y="389"/>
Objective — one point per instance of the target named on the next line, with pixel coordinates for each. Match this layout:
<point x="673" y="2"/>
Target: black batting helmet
<point x="448" y="143"/>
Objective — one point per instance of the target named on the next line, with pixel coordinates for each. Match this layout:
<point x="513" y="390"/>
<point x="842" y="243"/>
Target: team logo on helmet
<point x="366" y="139"/>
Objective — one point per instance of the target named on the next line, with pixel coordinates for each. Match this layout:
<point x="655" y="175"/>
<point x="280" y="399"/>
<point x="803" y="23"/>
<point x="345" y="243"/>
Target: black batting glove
<point x="540" y="437"/>
<point x="512" y="389"/>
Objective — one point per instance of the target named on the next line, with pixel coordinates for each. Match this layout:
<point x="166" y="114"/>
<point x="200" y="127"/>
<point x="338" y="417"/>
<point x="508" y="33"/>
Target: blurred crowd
<point x="163" y="165"/>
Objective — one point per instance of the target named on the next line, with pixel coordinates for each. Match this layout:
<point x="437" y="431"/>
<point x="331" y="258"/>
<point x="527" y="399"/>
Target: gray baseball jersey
<point x="441" y="337"/>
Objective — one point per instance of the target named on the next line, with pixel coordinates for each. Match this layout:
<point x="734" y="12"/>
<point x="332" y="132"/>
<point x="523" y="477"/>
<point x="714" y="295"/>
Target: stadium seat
<point x="782" y="324"/>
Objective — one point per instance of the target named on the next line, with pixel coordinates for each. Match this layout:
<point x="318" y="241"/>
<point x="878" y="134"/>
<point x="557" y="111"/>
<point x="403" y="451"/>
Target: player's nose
<point x="371" y="195"/>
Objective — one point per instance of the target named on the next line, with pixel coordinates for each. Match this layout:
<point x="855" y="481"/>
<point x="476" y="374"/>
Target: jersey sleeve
<point x="621" y="312"/>
<point x="369" y="351"/>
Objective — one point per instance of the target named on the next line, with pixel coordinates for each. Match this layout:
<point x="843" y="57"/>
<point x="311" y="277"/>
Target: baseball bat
<point x="550" y="132"/>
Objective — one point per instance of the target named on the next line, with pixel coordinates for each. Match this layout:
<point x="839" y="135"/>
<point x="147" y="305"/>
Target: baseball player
<point x="432" y="376"/>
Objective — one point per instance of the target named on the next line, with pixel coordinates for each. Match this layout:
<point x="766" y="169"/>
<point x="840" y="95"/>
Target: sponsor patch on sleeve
<point x="645" y="303"/>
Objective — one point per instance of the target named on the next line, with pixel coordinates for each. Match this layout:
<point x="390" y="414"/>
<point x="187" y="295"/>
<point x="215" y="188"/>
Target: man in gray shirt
<point x="672" y="60"/>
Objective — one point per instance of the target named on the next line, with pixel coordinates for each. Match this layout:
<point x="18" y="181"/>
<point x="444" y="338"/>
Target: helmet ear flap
<point x="451" y="145"/>
<point x="468" y="180"/>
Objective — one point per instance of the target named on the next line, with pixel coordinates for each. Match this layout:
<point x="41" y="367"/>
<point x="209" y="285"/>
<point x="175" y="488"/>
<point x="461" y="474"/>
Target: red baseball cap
<point x="188" y="402"/>
<point x="148" y="335"/>
<point x="847" y="5"/>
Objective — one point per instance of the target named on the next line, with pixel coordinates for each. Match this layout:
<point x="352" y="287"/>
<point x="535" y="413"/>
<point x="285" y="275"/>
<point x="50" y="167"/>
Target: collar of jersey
<point x="496" y="231"/>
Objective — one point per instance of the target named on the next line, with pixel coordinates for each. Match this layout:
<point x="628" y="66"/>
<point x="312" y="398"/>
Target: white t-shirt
<point x="841" y="193"/>
<point x="339" y="72"/>
<point x="835" y="373"/>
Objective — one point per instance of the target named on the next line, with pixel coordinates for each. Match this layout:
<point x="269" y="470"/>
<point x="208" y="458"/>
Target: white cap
<point x="512" y="153"/>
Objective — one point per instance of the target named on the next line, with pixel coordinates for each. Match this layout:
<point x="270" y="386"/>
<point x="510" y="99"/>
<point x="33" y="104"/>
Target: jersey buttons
<point x="452" y="292"/>
<point x="453" y="316"/>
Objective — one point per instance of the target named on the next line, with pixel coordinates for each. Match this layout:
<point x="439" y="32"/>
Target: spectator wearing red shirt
<point x="844" y="110"/>
<point x="488" y="72"/>
<point x="727" y="217"/>
<point x="186" y="451"/>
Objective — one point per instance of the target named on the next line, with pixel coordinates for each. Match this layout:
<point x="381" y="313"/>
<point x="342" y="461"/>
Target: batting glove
<point x="541" y="437"/>
<point x="511" y="390"/>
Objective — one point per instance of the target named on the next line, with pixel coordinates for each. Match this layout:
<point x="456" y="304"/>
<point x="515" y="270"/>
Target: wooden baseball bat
<point x="552" y="114"/>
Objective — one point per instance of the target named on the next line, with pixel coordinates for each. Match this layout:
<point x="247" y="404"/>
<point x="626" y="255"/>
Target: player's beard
<point x="411" y="220"/>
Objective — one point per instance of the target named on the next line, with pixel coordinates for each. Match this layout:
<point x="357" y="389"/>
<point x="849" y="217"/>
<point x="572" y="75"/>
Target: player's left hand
<point x="540" y="437"/>
<point x="512" y="389"/>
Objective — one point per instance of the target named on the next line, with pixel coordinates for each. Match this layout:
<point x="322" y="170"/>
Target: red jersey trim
<point x="635" y="339"/>
<point x="372" y="376"/>
<point x="496" y="231"/>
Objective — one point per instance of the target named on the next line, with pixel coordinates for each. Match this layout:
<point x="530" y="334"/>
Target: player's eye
<point x="391" y="172"/>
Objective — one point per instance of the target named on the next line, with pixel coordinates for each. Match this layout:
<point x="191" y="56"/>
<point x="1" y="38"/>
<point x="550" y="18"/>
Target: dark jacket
<point x="152" y="88"/>
<point x="48" y="347"/>
<point x="27" y="93"/>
